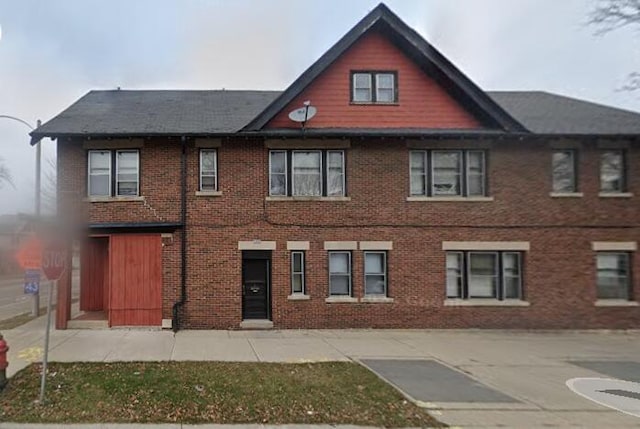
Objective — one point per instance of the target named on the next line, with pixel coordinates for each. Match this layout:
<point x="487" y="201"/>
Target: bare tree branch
<point x="5" y="175"/>
<point x="609" y="15"/>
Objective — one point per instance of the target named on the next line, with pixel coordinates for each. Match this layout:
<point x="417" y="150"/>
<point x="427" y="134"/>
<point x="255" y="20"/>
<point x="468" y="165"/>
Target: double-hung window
<point x="340" y="273"/>
<point x="113" y="173"/>
<point x="614" y="276"/>
<point x="308" y="173"/>
<point x="612" y="172"/>
<point x="493" y="275"/>
<point x="563" y="165"/>
<point x="442" y="173"/>
<point x="208" y="170"/>
<point x="297" y="272"/>
<point x="374" y="87"/>
<point x="375" y="273"/>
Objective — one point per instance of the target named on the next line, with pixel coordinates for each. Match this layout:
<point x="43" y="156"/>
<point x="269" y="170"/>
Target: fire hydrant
<point x="4" y="348"/>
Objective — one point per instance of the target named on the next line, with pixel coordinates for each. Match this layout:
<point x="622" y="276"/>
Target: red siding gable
<point x="422" y="103"/>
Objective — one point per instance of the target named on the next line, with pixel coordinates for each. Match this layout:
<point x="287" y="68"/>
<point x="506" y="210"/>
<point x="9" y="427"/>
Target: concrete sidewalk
<point x="530" y="367"/>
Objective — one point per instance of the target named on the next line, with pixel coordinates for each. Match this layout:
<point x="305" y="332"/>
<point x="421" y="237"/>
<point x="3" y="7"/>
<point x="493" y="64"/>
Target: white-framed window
<point x="127" y="173"/>
<point x="493" y="275"/>
<point x="340" y="273"/>
<point x="612" y="171"/>
<point x="113" y="173"/>
<point x="613" y="275"/>
<point x="375" y="87"/>
<point x="99" y="168"/>
<point x="311" y="173"/>
<point x="375" y="273"/>
<point x="440" y="173"/>
<point x="208" y="170"/>
<point x="297" y="272"/>
<point x="563" y="166"/>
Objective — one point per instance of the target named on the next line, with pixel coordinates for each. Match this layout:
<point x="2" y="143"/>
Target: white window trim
<point x="89" y="195"/>
<point x="137" y="152"/>
<point x="301" y="273"/>
<point x="355" y="87"/>
<point x="393" y="87"/>
<point x="215" y="170"/>
<point x="286" y="173"/>
<point x="384" y="273"/>
<point x="349" y="273"/>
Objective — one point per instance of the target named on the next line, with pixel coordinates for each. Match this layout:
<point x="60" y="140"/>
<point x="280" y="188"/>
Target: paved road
<point x="14" y="302"/>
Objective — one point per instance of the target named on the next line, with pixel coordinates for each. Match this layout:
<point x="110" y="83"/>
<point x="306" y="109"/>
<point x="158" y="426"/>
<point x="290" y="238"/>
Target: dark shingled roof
<point x="120" y="112"/>
<point x="146" y="113"/>
<point x="546" y="113"/>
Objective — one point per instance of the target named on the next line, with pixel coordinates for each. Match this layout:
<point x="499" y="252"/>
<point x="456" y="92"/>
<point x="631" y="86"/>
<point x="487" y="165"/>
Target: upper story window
<point x="313" y="173"/>
<point x="612" y="172"/>
<point x="438" y="173"/>
<point x="374" y="87"/>
<point x="564" y="171"/>
<point x="113" y="173"/>
<point x="208" y="170"/>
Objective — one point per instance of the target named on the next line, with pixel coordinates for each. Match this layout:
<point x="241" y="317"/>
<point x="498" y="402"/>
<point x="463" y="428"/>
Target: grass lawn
<point x="209" y="392"/>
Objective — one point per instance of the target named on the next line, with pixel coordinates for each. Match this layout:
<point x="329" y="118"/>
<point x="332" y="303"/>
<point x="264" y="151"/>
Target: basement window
<point x="368" y="87"/>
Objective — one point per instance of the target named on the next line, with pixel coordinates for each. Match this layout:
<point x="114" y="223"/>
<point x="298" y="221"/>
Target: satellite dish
<point x="303" y="114"/>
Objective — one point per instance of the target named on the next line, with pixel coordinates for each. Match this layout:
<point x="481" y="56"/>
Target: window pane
<point x="511" y="264"/>
<point x="339" y="263"/>
<point x="384" y="95"/>
<point x="278" y="162"/>
<point x="374" y="285"/>
<point x="296" y="286"/>
<point x="127" y="173"/>
<point x="613" y="276"/>
<point x="127" y="188"/>
<point x="208" y="161"/>
<point x="612" y="171"/>
<point x="446" y="173"/>
<point x="362" y="87"/>
<point x="100" y="161"/>
<point x="374" y="263"/>
<point x="278" y="173"/>
<point x="362" y="95"/>
<point x="335" y="174"/>
<point x="475" y="173"/>
<point x="563" y="172"/>
<point x="385" y="80"/>
<point x="278" y="184"/>
<point x="339" y="285"/>
<point x="208" y="183"/>
<point x="307" y="179"/>
<point x="511" y="275"/>
<point x="483" y="277"/>
<point x="512" y="287"/>
<point x="454" y="275"/>
<point x="99" y="185"/>
<point x="297" y="262"/>
<point x="418" y="173"/>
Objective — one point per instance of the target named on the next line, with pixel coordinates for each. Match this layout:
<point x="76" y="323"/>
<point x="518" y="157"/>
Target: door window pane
<point x="127" y="173"/>
<point x="335" y="173"/>
<point x="307" y="178"/>
<point x="339" y="273"/>
<point x="613" y="275"/>
<point x="483" y="275"/>
<point x="375" y="272"/>
<point x="454" y="274"/>
<point x="475" y="173"/>
<point x="99" y="173"/>
<point x="612" y="171"/>
<point x="446" y="173"/>
<point x="278" y="173"/>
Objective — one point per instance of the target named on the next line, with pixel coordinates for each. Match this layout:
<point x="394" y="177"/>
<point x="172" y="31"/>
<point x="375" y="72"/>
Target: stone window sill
<point x="615" y="194"/>
<point x="566" y="194"/>
<point x="615" y="303"/>
<point x="377" y="299"/>
<point x="275" y="198"/>
<point x="341" y="299"/>
<point x="298" y="297"/>
<point x="208" y="193"/>
<point x="485" y="303"/>
<point x="112" y="199"/>
<point x="451" y="199"/>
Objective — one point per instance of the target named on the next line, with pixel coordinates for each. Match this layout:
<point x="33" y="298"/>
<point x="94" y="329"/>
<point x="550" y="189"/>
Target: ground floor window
<point x="297" y="272"/>
<point x="375" y="273"/>
<point x="340" y="273"/>
<point x="494" y="275"/>
<point x="614" y="277"/>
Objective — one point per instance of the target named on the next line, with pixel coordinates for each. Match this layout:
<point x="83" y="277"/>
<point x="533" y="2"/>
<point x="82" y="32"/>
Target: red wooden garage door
<point x="135" y="293"/>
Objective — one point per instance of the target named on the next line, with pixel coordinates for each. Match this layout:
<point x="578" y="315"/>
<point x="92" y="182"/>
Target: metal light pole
<point x="35" y="301"/>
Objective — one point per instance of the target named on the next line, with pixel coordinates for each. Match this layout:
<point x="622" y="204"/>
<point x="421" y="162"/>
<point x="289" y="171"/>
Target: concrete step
<point x="256" y="324"/>
<point x="87" y="324"/>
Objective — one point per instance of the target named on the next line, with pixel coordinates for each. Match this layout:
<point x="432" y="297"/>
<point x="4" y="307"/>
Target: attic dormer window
<point x="374" y="87"/>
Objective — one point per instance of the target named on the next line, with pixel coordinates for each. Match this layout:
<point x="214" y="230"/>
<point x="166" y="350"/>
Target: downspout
<point x="183" y="242"/>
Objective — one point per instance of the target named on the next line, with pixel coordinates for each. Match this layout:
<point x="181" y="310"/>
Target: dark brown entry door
<point x="255" y="288"/>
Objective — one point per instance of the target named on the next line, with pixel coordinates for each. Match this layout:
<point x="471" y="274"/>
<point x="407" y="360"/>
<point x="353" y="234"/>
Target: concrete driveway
<point x="525" y="372"/>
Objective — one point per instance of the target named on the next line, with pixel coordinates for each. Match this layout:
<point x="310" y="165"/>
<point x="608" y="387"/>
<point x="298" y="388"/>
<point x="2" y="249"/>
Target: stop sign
<point x="54" y="260"/>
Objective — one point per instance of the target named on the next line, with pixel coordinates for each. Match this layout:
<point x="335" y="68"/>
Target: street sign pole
<point x="45" y="358"/>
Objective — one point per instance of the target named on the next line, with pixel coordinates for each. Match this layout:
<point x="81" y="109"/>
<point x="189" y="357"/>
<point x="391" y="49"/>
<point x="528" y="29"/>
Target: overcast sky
<point x="53" y="52"/>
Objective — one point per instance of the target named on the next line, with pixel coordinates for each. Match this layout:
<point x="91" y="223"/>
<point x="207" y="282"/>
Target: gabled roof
<point x="415" y="47"/>
<point x="546" y="113"/>
<point x="147" y="113"/>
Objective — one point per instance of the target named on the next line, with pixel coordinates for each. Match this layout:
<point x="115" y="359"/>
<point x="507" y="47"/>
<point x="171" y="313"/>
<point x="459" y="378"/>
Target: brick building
<point x="411" y="199"/>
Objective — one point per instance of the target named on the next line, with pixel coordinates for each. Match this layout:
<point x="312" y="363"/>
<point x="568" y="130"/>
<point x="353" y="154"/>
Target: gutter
<point x="183" y="242"/>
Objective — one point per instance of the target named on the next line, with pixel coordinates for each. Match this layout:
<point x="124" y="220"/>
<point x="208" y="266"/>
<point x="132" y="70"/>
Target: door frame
<point x="264" y="255"/>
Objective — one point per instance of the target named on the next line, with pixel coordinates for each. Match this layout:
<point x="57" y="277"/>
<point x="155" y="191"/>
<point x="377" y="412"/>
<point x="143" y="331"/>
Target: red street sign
<point x="54" y="260"/>
<point x="29" y="254"/>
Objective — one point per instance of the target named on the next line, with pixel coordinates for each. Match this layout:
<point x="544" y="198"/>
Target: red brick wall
<point x="422" y="103"/>
<point x="559" y="270"/>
